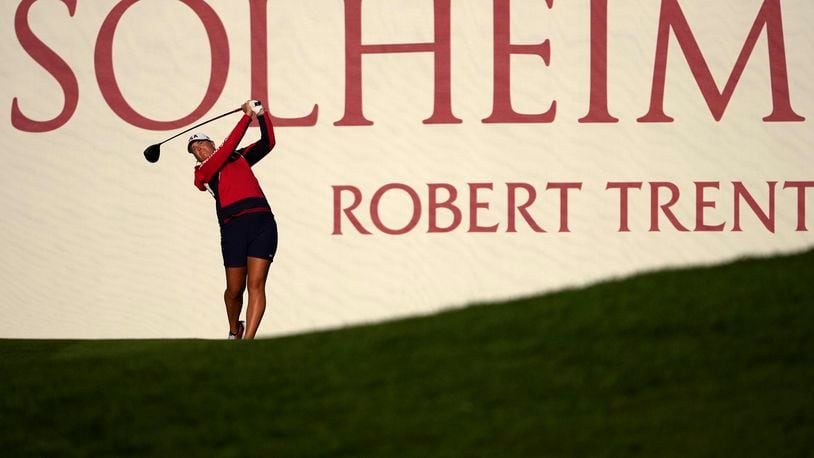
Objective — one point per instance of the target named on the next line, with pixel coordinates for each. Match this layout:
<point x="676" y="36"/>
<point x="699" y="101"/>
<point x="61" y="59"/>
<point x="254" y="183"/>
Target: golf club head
<point x="152" y="152"/>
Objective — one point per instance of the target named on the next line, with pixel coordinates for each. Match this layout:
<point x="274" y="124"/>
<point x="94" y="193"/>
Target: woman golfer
<point x="248" y="232"/>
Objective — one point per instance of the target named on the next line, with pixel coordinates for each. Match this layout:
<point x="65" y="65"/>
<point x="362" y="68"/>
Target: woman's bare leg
<point x="258" y="270"/>
<point x="233" y="296"/>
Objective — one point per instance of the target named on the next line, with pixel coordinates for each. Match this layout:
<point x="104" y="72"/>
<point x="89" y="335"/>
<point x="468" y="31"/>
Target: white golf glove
<point x="256" y="106"/>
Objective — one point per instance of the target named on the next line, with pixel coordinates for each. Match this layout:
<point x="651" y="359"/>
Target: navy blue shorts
<point x="254" y="234"/>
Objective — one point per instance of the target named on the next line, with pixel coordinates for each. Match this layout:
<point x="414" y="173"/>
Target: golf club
<point x="152" y="152"/>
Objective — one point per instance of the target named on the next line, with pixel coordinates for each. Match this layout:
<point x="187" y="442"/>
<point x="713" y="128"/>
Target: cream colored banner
<point x="98" y="243"/>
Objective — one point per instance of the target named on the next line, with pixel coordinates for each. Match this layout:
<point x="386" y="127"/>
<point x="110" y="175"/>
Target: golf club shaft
<point x="200" y="124"/>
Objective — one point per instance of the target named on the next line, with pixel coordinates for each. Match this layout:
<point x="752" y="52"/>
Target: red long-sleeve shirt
<point x="228" y="173"/>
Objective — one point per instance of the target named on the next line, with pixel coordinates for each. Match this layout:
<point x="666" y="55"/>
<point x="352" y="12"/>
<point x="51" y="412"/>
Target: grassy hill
<point x="689" y="363"/>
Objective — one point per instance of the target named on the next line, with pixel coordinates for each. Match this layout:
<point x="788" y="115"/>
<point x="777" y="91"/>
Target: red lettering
<point x="742" y="192"/>
<point x="769" y="17"/>
<point x="564" y="188"/>
<point x="801" y="187"/>
<point x="522" y="209"/>
<point x="259" y="69"/>
<point x="448" y="204"/>
<point x="598" y="111"/>
<point x="53" y="64"/>
<point x="502" y="111"/>
<point x="623" y="187"/>
<point x="665" y="208"/>
<point x="701" y="204"/>
<point x="354" y="49"/>
<point x="105" y="76"/>
<point x="338" y="210"/>
<point x="374" y="209"/>
<point x="475" y="204"/>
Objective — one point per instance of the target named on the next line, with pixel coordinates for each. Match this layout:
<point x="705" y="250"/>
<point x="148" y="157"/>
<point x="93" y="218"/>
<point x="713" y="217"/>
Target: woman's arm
<point x="209" y="167"/>
<point x="261" y="148"/>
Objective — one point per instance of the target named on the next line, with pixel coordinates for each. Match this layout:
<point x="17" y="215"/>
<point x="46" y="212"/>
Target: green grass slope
<point x="702" y="362"/>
